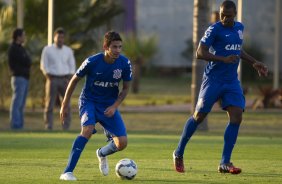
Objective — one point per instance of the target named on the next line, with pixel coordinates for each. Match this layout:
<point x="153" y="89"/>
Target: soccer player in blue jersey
<point x="220" y="81"/>
<point x="99" y="101"/>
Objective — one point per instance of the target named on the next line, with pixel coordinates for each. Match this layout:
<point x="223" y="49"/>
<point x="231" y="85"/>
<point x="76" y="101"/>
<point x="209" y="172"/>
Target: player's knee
<point x="236" y="120"/>
<point x="235" y="115"/>
<point x="199" y="117"/>
<point x="87" y="131"/>
<point x="121" y="144"/>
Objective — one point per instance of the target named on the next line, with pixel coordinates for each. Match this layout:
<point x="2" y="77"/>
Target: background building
<point x="171" y="21"/>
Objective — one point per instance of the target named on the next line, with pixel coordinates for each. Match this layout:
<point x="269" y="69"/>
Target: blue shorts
<point x="230" y="94"/>
<point x="90" y="113"/>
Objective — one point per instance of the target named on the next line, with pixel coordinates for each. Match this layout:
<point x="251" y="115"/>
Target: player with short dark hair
<point x="99" y="101"/>
<point x="220" y="81"/>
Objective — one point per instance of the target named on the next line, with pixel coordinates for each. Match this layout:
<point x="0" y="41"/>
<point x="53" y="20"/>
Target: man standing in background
<point x="214" y="17"/>
<point x="19" y="63"/>
<point x="58" y="65"/>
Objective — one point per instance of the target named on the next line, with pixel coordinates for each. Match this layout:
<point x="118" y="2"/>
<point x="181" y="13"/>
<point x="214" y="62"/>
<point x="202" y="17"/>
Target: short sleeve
<point x="209" y="36"/>
<point x="83" y="69"/>
<point x="127" y="74"/>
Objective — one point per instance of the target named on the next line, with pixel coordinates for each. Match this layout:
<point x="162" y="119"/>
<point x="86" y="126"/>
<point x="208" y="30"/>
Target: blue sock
<point x="77" y="147"/>
<point x="109" y="149"/>
<point x="188" y="130"/>
<point x="230" y="137"/>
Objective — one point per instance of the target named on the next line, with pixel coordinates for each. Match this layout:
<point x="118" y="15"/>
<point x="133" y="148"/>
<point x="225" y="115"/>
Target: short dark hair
<point x="17" y="33"/>
<point x="111" y="36"/>
<point x="59" y="30"/>
<point x="228" y="4"/>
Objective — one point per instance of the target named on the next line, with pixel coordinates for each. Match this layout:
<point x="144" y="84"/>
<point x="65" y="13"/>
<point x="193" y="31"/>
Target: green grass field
<point x="41" y="157"/>
<point x="35" y="156"/>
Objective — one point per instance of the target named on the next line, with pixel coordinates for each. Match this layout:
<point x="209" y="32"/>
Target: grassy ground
<point x="41" y="157"/>
<point x="153" y="91"/>
<point x="35" y="156"/>
<point x="263" y="123"/>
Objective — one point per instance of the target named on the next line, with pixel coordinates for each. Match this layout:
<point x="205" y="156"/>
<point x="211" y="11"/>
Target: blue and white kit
<point x="220" y="80"/>
<point x="101" y="90"/>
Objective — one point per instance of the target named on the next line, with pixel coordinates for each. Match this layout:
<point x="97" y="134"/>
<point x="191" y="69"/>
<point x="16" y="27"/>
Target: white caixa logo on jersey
<point x="117" y="74"/>
<point x="240" y="33"/>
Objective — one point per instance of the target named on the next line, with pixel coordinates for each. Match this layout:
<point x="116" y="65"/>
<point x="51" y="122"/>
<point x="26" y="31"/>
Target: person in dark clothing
<point x="19" y="63"/>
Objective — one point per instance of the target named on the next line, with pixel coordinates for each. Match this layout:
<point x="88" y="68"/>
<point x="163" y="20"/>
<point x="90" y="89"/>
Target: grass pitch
<point x="36" y="156"/>
<point x="40" y="157"/>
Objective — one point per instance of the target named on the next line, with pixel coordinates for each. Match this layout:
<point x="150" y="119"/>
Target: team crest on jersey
<point x="240" y="33"/>
<point x="117" y="74"/>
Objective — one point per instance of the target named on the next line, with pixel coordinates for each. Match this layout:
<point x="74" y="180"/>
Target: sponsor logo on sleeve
<point x="240" y="33"/>
<point x="207" y="34"/>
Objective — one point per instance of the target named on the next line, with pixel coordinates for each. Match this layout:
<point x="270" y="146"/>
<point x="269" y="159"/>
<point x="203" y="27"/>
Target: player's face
<point x="114" y="49"/>
<point x="59" y="39"/>
<point x="227" y="16"/>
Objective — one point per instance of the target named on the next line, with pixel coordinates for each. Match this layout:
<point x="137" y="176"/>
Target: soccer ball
<point x="126" y="169"/>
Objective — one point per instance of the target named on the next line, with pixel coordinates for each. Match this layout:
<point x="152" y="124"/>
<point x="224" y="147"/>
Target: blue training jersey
<point x="225" y="41"/>
<point x="102" y="79"/>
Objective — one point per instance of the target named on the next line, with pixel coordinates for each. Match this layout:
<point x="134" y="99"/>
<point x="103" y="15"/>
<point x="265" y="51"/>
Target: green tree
<point x="139" y="51"/>
<point x="6" y="20"/>
<point x="81" y="19"/>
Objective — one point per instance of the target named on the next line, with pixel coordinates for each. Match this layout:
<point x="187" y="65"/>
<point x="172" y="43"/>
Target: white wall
<point x="171" y="22"/>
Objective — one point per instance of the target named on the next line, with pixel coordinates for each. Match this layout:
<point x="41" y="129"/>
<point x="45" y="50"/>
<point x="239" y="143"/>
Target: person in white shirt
<point x="58" y="65"/>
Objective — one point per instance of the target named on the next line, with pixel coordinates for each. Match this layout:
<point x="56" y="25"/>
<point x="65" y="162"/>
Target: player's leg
<point x="233" y="102"/>
<point x="231" y="132"/>
<point x="88" y="122"/>
<point x="208" y="95"/>
<point x="114" y="145"/>
<point x="114" y="126"/>
<point x="230" y="137"/>
<point x="188" y="130"/>
<point x="77" y="148"/>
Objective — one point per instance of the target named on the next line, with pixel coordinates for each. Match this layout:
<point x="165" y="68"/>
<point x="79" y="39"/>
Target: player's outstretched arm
<point x="203" y="53"/>
<point x="71" y="86"/>
<point x="259" y="66"/>
<point x="125" y="89"/>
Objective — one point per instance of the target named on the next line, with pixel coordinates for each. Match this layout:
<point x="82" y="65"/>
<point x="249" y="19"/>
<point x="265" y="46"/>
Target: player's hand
<point x="110" y="111"/>
<point x="231" y="59"/>
<point x="261" y="69"/>
<point x="63" y="113"/>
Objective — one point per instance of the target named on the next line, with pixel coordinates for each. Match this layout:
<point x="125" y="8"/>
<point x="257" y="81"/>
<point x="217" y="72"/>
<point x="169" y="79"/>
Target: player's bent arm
<point x="122" y="94"/>
<point x="259" y="66"/>
<point x="248" y="58"/>
<point x="203" y="53"/>
<point x="71" y="86"/>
